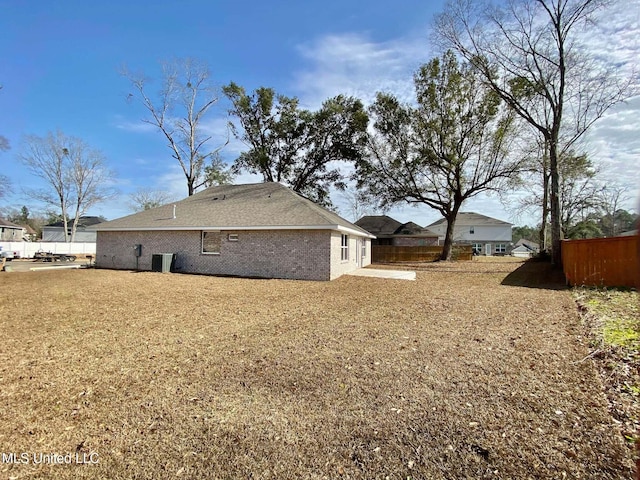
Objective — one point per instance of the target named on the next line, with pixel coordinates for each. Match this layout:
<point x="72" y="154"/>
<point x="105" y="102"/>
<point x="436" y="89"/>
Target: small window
<point x="364" y="248"/>
<point x="211" y="242"/>
<point x="477" y="248"/>
<point x="344" y="247"/>
<point x="232" y="237"/>
<point x="501" y="248"/>
<point x="472" y="230"/>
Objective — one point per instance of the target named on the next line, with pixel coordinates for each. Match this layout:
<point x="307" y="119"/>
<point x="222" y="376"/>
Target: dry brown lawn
<point x="452" y="376"/>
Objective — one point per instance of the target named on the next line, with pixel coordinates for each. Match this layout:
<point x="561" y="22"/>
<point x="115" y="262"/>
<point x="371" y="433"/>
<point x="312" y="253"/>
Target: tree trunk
<point x="65" y="224"/>
<point x="74" y="227"/>
<point x="545" y="198"/>
<point x="190" y="188"/>
<point x="448" y="238"/>
<point x="556" y="233"/>
<point x="545" y="214"/>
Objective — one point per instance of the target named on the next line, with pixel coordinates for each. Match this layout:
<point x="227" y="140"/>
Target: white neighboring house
<point x="487" y="236"/>
<point x="54" y="232"/>
<point x="525" y="248"/>
<point x="10" y="232"/>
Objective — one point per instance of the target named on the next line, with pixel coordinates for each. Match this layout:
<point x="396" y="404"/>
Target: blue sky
<point x="61" y="61"/>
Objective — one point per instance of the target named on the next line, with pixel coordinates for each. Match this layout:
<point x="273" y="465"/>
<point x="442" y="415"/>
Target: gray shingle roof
<point x="413" y="229"/>
<point x="379" y="224"/>
<point x="528" y="244"/>
<point x="8" y="224"/>
<point x="85" y="221"/>
<point x="251" y="206"/>
<point x="471" y="218"/>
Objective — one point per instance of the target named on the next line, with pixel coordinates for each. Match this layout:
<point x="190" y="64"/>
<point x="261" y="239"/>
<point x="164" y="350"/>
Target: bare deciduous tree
<point x="186" y="96"/>
<point x="358" y="204"/>
<point x="146" y="198"/>
<point x="610" y="199"/>
<point x="5" y="185"/>
<point x="75" y="175"/>
<point x="528" y="52"/>
<point x="5" y="182"/>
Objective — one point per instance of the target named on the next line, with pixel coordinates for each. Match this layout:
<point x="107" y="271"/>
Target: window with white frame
<point x="477" y="248"/>
<point x="344" y="247"/>
<point x="500" y="248"/>
<point x="211" y="242"/>
<point x="472" y="230"/>
<point x="364" y="248"/>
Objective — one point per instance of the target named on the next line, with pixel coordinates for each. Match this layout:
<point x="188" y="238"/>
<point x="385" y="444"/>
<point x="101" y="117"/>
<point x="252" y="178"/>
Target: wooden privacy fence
<point x="392" y="253"/>
<point x="602" y="262"/>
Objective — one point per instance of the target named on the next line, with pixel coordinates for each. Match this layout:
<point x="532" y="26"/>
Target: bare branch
<point x="74" y="173"/>
<point x="186" y="97"/>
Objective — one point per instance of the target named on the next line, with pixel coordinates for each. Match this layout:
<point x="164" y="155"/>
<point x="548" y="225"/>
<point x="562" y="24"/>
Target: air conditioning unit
<point x="163" y="262"/>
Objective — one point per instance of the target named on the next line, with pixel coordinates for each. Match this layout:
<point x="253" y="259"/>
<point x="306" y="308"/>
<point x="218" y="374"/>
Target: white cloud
<point x="352" y="64"/>
<point x="614" y="37"/>
<point x="134" y="127"/>
<point x="614" y="141"/>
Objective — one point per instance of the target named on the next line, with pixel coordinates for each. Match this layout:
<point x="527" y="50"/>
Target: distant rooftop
<point x="471" y="219"/>
<point x="379" y="224"/>
<point x="7" y="223"/>
<point x="85" y="221"/>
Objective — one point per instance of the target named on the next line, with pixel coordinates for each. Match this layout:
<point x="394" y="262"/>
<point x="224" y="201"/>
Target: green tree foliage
<point x="451" y="146"/>
<point x="621" y="221"/>
<point x="22" y="217"/>
<point x="217" y="173"/>
<point x="297" y="147"/>
<point x="586" y="228"/>
<point x="528" y="233"/>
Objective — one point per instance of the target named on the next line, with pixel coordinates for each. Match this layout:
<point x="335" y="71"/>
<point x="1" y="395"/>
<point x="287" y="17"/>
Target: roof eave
<point x="234" y="227"/>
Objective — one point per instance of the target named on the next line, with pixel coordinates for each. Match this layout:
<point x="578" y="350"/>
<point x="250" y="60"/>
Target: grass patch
<point x="161" y="375"/>
<point x="612" y="318"/>
<point x="621" y="333"/>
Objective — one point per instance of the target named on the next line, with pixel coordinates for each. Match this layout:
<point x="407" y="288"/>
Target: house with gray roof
<point x="54" y="232"/>
<point x="525" y="248"/>
<point x="260" y="230"/>
<point x="389" y="231"/>
<point x="10" y="232"/>
<point x="486" y="235"/>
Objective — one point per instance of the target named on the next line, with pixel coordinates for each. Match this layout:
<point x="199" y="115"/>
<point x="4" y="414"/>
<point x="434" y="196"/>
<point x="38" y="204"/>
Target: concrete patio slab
<point x="394" y="274"/>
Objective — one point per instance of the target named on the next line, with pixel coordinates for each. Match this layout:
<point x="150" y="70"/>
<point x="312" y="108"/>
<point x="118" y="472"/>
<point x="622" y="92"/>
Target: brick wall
<point x="295" y="254"/>
<point x="339" y="266"/>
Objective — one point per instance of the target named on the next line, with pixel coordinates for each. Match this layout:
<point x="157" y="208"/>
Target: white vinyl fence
<point x="28" y="249"/>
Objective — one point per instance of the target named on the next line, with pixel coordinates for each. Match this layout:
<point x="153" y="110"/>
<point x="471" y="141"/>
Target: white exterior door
<point x="487" y="249"/>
